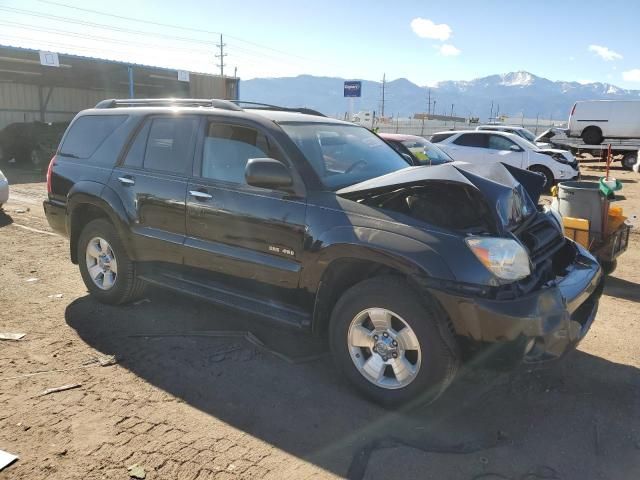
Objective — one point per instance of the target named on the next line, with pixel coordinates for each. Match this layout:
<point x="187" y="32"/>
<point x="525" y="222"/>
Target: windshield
<point x="526" y="134"/>
<point x="434" y="156"/>
<point x="343" y="155"/>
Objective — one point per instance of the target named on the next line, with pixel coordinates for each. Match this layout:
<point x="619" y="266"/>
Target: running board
<point x="219" y="295"/>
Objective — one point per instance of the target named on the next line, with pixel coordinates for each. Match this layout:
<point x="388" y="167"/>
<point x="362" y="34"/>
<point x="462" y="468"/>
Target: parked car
<point x="4" y="189"/>
<point x="318" y="224"/>
<point x="31" y="143"/>
<point x="595" y="120"/>
<point x="520" y="131"/>
<point x="485" y="146"/>
<point x="422" y="151"/>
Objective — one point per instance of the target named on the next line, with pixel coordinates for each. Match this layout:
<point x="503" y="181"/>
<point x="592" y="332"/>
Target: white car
<point x="4" y="189"/>
<point x="476" y="146"/>
<point x="520" y="131"/>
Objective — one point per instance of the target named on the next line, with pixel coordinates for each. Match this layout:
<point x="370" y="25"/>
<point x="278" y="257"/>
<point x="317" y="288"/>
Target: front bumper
<point x="545" y="323"/>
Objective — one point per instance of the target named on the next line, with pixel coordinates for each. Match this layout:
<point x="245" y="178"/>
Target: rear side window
<point x="438" y="137"/>
<point x="170" y="144"/>
<point x="228" y="148"/>
<point x="87" y="133"/>
<point x="472" y="140"/>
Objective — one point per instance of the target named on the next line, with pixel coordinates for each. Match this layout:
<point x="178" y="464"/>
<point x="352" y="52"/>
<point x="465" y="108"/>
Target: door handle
<point x="126" y="180"/>
<point x="200" y="195"/>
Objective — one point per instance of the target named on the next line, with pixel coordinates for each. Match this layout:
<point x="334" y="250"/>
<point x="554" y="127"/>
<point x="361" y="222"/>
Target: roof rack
<point x="267" y="106"/>
<point x="168" y="102"/>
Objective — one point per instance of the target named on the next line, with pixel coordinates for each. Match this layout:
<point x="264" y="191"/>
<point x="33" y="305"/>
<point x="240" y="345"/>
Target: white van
<point x="595" y="120"/>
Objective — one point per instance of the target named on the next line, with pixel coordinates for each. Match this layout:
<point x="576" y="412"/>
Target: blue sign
<point x="352" y="88"/>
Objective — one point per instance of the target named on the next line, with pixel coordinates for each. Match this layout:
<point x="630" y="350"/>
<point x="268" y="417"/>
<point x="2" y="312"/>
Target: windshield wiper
<point x="69" y="155"/>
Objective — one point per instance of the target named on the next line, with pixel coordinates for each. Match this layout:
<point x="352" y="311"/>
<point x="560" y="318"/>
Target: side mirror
<point x="515" y="148"/>
<point x="267" y="173"/>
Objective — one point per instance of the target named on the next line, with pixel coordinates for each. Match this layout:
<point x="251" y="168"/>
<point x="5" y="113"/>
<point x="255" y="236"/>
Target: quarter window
<point x="170" y="144"/>
<point x="228" y="148"/>
<point x="87" y="133"/>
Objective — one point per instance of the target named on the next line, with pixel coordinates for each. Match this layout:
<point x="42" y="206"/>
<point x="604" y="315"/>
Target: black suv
<point x="319" y="224"/>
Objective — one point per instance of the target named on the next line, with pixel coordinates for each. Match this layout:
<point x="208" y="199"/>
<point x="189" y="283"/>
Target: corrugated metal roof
<point x="105" y="60"/>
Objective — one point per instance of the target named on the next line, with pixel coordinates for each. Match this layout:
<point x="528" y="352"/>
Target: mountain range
<point x="514" y="94"/>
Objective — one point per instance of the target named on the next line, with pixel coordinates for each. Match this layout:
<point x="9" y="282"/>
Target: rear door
<point x="152" y="183"/>
<point x="469" y="147"/>
<point x="501" y="149"/>
<point x="242" y="236"/>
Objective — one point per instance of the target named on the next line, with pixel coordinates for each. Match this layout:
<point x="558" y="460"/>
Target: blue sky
<point x="424" y="41"/>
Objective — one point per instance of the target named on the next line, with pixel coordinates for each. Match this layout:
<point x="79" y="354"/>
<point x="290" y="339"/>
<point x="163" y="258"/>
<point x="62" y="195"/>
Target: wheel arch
<point x="343" y="272"/>
<point x="88" y="201"/>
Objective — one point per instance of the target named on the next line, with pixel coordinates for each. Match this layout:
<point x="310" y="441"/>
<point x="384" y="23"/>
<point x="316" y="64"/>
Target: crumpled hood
<point x="510" y="193"/>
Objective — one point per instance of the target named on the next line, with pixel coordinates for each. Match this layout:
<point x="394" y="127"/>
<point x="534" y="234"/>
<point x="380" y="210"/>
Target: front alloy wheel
<point x="101" y="263"/>
<point x="384" y="348"/>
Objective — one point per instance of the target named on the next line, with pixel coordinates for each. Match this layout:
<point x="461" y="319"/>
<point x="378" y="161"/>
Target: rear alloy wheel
<point x="107" y="271"/>
<point x="35" y="157"/>
<point x="592" y="136"/>
<point x="394" y="345"/>
<point x="549" y="179"/>
<point x="629" y="160"/>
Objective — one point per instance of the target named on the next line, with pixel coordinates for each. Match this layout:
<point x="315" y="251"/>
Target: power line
<point x="161" y="24"/>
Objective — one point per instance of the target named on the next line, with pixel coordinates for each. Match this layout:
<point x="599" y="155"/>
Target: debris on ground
<point x="60" y="389"/>
<point x="136" y="471"/>
<point x="6" y="459"/>
<point x="20" y="210"/>
<point x="141" y="301"/>
<point x="32" y="279"/>
<point x="55" y="295"/>
<point x="103" y="360"/>
<point x="11" y="336"/>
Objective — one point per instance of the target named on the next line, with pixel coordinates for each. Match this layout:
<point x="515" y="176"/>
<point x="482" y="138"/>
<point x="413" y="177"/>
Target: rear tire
<point x="548" y="175"/>
<point x="112" y="278"/>
<point x="425" y="365"/>
<point x="592" y="136"/>
<point x="629" y="160"/>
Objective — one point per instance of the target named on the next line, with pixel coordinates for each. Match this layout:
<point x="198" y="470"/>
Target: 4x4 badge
<point x="286" y="251"/>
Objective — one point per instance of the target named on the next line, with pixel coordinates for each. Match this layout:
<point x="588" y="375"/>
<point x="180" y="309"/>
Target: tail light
<point x="573" y="110"/>
<point x="51" y="163"/>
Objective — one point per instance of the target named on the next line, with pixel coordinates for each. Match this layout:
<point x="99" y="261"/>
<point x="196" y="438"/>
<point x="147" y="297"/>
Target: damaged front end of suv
<point x="517" y="282"/>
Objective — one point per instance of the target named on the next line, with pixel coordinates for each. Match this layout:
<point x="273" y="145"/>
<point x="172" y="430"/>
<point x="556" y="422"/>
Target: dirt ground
<point x="191" y="396"/>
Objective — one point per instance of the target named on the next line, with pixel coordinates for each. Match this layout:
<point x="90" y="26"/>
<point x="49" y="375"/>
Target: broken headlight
<point x="504" y="257"/>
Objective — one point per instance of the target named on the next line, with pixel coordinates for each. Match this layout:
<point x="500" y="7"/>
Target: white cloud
<point x="585" y="81"/>
<point x="571" y="59"/>
<point x="425" y="28"/>
<point x="448" y="50"/>
<point x="604" y="53"/>
<point x="631" y="75"/>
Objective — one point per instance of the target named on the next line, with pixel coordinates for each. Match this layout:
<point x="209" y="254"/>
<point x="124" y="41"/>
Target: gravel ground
<point x="192" y="396"/>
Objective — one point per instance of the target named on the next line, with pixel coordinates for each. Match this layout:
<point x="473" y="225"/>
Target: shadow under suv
<point x="319" y="224"/>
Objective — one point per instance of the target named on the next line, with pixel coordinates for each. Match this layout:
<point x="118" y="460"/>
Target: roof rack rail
<point x="267" y="106"/>
<point x="168" y="102"/>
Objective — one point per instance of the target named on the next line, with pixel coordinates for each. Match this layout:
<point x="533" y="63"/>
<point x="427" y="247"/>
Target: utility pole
<point x="491" y="114"/>
<point x="221" y="55"/>
<point x="452" y="109"/>
<point x="429" y="104"/>
<point x="434" y="106"/>
<point x="384" y="83"/>
<point x="235" y="72"/>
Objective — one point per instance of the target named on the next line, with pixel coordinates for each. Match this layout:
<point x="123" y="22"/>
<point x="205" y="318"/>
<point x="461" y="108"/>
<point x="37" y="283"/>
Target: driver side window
<point x="227" y="149"/>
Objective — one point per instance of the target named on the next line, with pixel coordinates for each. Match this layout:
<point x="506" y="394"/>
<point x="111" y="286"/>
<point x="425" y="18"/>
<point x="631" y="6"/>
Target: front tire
<point x="392" y="344"/>
<point x="106" y="269"/>
<point x="549" y="179"/>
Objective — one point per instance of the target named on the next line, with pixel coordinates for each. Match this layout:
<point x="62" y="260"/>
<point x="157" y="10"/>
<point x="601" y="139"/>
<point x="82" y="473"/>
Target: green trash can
<point x="584" y="200"/>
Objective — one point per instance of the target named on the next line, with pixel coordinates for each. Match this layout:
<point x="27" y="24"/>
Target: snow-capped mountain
<point x="513" y="93"/>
